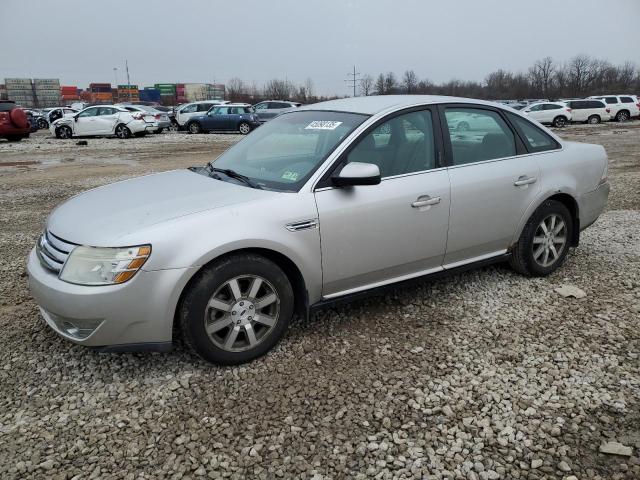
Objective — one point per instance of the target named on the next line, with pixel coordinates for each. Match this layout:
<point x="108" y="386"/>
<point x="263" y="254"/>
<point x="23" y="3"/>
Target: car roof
<point x="234" y="105"/>
<point x="379" y="103"/>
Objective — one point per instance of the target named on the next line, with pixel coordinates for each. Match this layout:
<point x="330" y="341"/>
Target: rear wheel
<point x="237" y="309"/>
<point x="244" y="128"/>
<point x="64" y="132"/>
<point x="559" y="121"/>
<point x="622" y="116"/>
<point x="194" y="127"/>
<point x="593" y="119"/>
<point x="544" y="242"/>
<point x="14" y="138"/>
<point x="122" y="132"/>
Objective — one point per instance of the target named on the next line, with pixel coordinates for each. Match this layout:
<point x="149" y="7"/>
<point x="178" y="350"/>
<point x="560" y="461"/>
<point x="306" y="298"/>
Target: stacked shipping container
<point x="100" y="93"/>
<point x="127" y="93"/>
<point x="3" y="92"/>
<point x="167" y="93"/>
<point x="46" y="92"/>
<point x="20" y="91"/>
<point x="149" y="94"/>
<point x="69" y="94"/>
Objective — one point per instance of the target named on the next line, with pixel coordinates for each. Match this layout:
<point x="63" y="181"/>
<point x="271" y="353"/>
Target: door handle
<point x="523" y="180"/>
<point x="425" y="201"/>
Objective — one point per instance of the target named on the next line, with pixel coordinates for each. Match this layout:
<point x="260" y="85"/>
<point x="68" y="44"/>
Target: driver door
<point x="86" y="122"/>
<point x="378" y="234"/>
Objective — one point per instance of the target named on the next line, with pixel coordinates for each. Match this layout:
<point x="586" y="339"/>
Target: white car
<point x="156" y="120"/>
<point x="552" y="113"/>
<point x="188" y="110"/>
<point x="623" y="107"/>
<point x="589" y="110"/>
<point x="100" y="120"/>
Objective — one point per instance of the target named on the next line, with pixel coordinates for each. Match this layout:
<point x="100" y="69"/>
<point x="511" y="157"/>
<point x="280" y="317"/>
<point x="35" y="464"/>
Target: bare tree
<point x="309" y="88"/>
<point x="541" y="76"/>
<point x="366" y="85"/>
<point x="278" y="89"/>
<point x="390" y="83"/>
<point x="236" y="89"/>
<point x="410" y="81"/>
<point x="380" y="85"/>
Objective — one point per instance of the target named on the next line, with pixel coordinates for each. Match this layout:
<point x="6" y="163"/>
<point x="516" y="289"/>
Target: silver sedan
<point x="326" y="202"/>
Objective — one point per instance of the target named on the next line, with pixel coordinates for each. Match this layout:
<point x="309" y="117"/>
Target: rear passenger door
<point x="493" y="181"/>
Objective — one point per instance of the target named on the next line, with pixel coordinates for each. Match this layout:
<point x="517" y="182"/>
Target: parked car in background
<point x="236" y="117"/>
<point x="101" y="120"/>
<point x="270" y="109"/>
<point x="156" y="120"/>
<point x="550" y="113"/>
<point x="623" y="107"/>
<point x="188" y="110"/>
<point x="38" y="117"/>
<point x="33" y="121"/>
<point x="14" y="124"/>
<point x="53" y="114"/>
<point x="589" y="110"/>
<point x="295" y="216"/>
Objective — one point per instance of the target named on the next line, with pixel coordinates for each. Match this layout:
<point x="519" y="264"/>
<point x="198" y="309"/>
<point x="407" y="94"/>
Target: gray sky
<point x="256" y="40"/>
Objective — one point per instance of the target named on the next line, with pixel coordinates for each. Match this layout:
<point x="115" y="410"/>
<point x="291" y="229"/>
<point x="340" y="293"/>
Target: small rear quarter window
<point x="534" y="138"/>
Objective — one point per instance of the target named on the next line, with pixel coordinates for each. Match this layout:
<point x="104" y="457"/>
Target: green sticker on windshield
<point x="293" y="176"/>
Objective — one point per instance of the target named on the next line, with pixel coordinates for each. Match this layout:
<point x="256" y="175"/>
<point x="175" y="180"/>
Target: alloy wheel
<point x="244" y="128"/>
<point x="121" y="132"/>
<point x="64" y="132"/>
<point x="242" y="313"/>
<point x="550" y="240"/>
<point x="623" y="117"/>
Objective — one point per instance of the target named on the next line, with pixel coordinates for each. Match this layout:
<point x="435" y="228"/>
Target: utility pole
<point x="353" y="80"/>
<point x="128" y="81"/>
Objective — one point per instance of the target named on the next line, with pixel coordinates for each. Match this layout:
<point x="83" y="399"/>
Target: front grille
<point x="53" y="251"/>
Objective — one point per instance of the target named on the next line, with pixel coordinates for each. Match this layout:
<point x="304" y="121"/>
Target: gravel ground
<point x="484" y="375"/>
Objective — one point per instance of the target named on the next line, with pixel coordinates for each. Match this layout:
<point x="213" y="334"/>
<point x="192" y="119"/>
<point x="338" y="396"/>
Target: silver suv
<point x="270" y="109"/>
<point x="322" y="203"/>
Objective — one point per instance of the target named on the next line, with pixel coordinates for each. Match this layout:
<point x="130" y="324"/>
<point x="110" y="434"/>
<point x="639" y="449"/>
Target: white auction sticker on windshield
<point x="323" y="125"/>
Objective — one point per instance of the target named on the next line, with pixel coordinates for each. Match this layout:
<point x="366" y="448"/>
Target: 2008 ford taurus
<point x="324" y="202"/>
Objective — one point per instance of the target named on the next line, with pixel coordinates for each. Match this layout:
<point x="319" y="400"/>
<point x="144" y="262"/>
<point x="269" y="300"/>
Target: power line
<point x="354" y="79"/>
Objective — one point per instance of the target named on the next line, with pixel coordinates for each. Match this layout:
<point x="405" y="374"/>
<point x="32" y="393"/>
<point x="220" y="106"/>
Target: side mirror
<point x="357" y="173"/>
<point x="75" y="118"/>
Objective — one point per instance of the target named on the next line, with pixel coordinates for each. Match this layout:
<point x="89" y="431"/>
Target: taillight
<point x="608" y="110"/>
<point x="569" y="110"/>
<point x="157" y="116"/>
<point x="137" y="116"/>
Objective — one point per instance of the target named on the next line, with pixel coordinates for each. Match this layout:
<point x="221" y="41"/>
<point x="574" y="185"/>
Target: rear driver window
<point x="535" y="139"/>
<point x="477" y="135"/>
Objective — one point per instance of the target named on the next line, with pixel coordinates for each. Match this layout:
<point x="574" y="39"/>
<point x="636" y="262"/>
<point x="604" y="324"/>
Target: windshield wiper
<point x="233" y="174"/>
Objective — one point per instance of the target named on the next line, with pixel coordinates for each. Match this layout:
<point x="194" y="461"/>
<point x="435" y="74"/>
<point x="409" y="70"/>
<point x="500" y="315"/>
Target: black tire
<point x="140" y="134"/>
<point x="160" y="130"/>
<point x="64" y="132"/>
<point x="42" y="124"/>
<point x="622" y="116"/>
<point x="559" y="121"/>
<point x="174" y="127"/>
<point x="194" y="127"/>
<point x="122" y="131"/>
<point x="14" y="138"/>
<point x="194" y="307"/>
<point x="593" y="119"/>
<point x="244" y="128"/>
<point x="522" y="255"/>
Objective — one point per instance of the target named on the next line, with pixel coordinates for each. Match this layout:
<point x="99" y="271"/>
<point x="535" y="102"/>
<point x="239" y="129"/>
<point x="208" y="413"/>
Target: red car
<point x="14" y="125"/>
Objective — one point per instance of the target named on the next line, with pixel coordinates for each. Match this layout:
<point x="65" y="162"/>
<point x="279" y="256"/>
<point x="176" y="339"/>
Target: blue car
<point x="232" y="117"/>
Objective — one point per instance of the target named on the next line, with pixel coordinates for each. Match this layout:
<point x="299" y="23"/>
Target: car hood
<point x="101" y="216"/>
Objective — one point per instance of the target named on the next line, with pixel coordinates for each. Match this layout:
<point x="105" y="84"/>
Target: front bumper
<point x="137" y="312"/>
<point x="592" y="204"/>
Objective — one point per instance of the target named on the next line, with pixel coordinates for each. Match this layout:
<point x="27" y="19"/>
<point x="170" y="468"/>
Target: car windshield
<point x="284" y="153"/>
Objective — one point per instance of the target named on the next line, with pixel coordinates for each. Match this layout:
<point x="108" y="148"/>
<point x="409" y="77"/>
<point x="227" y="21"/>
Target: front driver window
<point x="478" y="135"/>
<point x="89" y="112"/>
<point x="404" y="144"/>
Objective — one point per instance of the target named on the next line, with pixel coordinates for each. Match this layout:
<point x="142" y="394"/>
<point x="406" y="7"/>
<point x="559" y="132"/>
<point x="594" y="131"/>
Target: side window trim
<point x="444" y="127"/>
<point x="339" y="162"/>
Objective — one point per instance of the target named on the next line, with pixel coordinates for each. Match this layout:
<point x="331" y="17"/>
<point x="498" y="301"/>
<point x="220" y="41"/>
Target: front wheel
<point x="64" y="132"/>
<point x="236" y="309"/>
<point x="122" y="132"/>
<point x="42" y="123"/>
<point x="544" y="242"/>
<point x="593" y="119"/>
<point x="559" y="122"/>
<point x="244" y="128"/>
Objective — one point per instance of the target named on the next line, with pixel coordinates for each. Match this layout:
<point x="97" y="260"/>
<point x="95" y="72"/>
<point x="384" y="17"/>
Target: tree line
<point x="578" y="77"/>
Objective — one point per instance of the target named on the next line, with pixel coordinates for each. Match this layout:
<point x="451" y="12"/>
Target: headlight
<point x="104" y="266"/>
